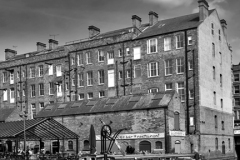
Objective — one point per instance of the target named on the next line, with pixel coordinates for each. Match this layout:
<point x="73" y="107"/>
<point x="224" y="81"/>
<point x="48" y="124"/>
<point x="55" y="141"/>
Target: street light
<point x="24" y="116"/>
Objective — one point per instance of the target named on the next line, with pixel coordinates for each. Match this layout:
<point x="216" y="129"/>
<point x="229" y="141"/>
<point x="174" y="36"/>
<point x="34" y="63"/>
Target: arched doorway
<point x="177" y="147"/>
<point x="223" y="147"/>
<point x="145" y="146"/>
<point x="86" y="146"/>
<point x="55" y="147"/>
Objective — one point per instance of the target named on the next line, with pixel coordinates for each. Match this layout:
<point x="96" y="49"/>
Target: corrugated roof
<point x="5" y="113"/>
<point x="123" y="103"/>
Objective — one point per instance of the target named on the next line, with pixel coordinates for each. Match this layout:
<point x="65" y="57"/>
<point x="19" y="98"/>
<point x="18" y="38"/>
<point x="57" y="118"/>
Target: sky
<point x="25" y="22"/>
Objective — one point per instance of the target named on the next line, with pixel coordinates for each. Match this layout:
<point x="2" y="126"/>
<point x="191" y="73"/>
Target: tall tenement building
<point x="189" y="54"/>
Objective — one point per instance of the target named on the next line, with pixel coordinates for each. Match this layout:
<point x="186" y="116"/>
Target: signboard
<point x="137" y="136"/>
<point x="236" y="131"/>
<point x="177" y="133"/>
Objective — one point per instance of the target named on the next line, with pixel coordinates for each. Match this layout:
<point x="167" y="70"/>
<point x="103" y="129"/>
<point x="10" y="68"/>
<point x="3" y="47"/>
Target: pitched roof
<point x="103" y="105"/>
<point x="5" y="113"/>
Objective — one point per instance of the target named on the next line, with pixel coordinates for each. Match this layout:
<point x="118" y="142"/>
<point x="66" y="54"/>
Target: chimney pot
<point x="203" y="9"/>
<point x="9" y="54"/>
<point x="41" y="46"/>
<point x="153" y="18"/>
<point x="93" y="31"/>
<point x="52" y="44"/>
<point x="136" y="21"/>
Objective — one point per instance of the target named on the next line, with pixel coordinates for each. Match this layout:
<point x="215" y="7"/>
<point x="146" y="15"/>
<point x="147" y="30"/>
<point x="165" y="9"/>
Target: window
<point x="89" y="57"/>
<point x="236" y="89"/>
<point x="153" y="90"/>
<point x="145" y="146"/>
<point x="85" y="145"/>
<point x="158" y="145"/>
<point x="4" y="77"/>
<point x="33" y="110"/>
<point x="191" y="121"/>
<point x="176" y="121"/>
<point x="214" y="73"/>
<point x="168" y="67"/>
<point x="100" y="56"/>
<point x="191" y="94"/>
<point x="237" y="101"/>
<point x="66" y="86"/>
<point x="222" y="125"/>
<point x="220" y="80"/>
<point x="128" y="51"/>
<point x="12" y="96"/>
<point x="167" y="43"/>
<point x="219" y="34"/>
<point x="136" y="53"/>
<point x="23" y="92"/>
<point x="18" y="93"/>
<point x="120" y="54"/>
<point x="73" y="82"/>
<point x="111" y="57"/>
<point x="80" y="59"/>
<point x="129" y="73"/>
<point x="190" y="41"/>
<point x="214" y="98"/>
<point x="190" y="64"/>
<point x="152" y="46"/>
<point x="101" y="77"/>
<point x="80" y="80"/>
<point x="238" y="115"/>
<point x="120" y="74"/>
<point x="32" y="72"/>
<point x="41" y="105"/>
<point x="229" y="143"/>
<point x="70" y="145"/>
<point x="212" y="26"/>
<point x="33" y="94"/>
<point x="50" y="69"/>
<point x="59" y="70"/>
<point x="179" y="41"/>
<point x="23" y="73"/>
<point x="152" y="69"/>
<point x="137" y="71"/>
<point x="216" y="143"/>
<point x="101" y="94"/>
<point x="12" y="77"/>
<point x="180" y="65"/>
<point x="111" y="79"/>
<point x="81" y="96"/>
<point x="18" y="73"/>
<point x="40" y="70"/>
<point x="5" y="95"/>
<point x="220" y="58"/>
<point x="181" y="92"/>
<point x="73" y="60"/>
<point x="89" y="78"/>
<point x="51" y="88"/>
<point x="213" y="49"/>
<point x="51" y="102"/>
<point x="59" y="89"/>
<point x="168" y="86"/>
<point x="216" y="121"/>
<point x="90" y="95"/>
<point x="41" y="89"/>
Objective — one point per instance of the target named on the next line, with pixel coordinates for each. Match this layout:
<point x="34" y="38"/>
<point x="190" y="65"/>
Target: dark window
<point x="216" y="143"/>
<point x="100" y="56"/>
<point x="236" y="89"/>
<point x="137" y="71"/>
<point x="158" y="145"/>
<point x="223" y="147"/>
<point x="33" y="94"/>
<point x="237" y="101"/>
<point x="216" y="121"/>
<point x="70" y="145"/>
<point x="236" y="77"/>
<point x="176" y="121"/>
<point x="86" y="145"/>
<point x="80" y="79"/>
<point x="213" y="49"/>
<point x="101" y="77"/>
<point x="145" y="146"/>
<point x="41" y="89"/>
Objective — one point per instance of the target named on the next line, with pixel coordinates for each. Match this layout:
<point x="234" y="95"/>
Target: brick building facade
<point x="189" y="54"/>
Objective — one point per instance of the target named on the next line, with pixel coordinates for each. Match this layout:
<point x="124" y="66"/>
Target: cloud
<point x="170" y="3"/>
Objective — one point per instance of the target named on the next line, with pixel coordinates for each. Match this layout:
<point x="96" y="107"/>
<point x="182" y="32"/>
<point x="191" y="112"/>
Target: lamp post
<point x="24" y="116"/>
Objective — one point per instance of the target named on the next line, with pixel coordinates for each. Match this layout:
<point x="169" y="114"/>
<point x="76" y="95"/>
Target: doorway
<point x="177" y="147"/>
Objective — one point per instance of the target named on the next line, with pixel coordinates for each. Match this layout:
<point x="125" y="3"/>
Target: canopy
<point x="36" y="129"/>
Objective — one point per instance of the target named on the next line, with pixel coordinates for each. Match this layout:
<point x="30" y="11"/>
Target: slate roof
<point x="5" y="113"/>
<point x="103" y="105"/>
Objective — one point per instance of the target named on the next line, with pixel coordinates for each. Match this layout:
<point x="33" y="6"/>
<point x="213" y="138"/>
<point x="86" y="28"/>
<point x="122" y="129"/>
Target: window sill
<point x="168" y="75"/>
<point x="167" y="50"/>
<point x="152" y="76"/>
<point x="179" y="48"/>
<point x="89" y="85"/>
<point x="180" y="73"/>
<point x="152" y="52"/>
<point x="101" y="84"/>
<point x="80" y="86"/>
<point x="89" y="63"/>
<point x="168" y="89"/>
<point x="100" y="61"/>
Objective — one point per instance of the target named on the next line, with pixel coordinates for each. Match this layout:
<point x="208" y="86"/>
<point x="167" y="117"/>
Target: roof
<point x="103" y="105"/>
<point x="41" y="128"/>
<point x="5" y="113"/>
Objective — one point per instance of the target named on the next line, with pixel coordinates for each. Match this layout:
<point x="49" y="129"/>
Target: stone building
<point x="189" y="54"/>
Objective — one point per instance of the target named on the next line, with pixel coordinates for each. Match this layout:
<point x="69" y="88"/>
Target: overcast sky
<point x="25" y="22"/>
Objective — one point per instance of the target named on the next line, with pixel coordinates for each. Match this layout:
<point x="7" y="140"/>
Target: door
<point x="145" y="146"/>
<point x="177" y="147"/>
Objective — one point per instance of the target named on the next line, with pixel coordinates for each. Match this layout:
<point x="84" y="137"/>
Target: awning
<point x="36" y="129"/>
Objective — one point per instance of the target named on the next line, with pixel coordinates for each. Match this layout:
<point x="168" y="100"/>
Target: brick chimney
<point x="203" y="10"/>
<point x="9" y="54"/>
<point x="224" y="27"/>
<point x="136" y="21"/>
<point x="153" y="18"/>
<point x="53" y="44"/>
<point x="93" y="31"/>
<point x="40" y="46"/>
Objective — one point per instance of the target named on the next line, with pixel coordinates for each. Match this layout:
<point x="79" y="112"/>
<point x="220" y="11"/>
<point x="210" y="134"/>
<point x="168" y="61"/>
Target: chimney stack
<point x="153" y="18"/>
<point x="93" y="31"/>
<point x="136" y="21"/>
<point x="203" y="10"/>
<point x="41" y="46"/>
<point x="9" y="54"/>
<point x="53" y="44"/>
<point x="224" y="27"/>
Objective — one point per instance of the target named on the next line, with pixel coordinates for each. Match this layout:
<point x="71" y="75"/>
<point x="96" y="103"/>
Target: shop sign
<point x="178" y="133"/>
<point x="236" y="131"/>
<point x="137" y="136"/>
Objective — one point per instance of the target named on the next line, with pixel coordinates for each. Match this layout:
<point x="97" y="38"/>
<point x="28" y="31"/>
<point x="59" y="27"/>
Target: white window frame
<point x="73" y="82"/>
<point x="80" y="59"/>
<point x="12" y="95"/>
<point x="179" y="41"/>
<point x="88" y="95"/>
<point x="32" y="72"/>
<point x="128" y="73"/>
<point x="59" y="89"/>
<point x="120" y="53"/>
<point x="191" y="121"/>
<point x="190" y="64"/>
<point x="100" y="56"/>
<point x="11" y="77"/>
<point x="101" y="79"/>
<point x="89" y="57"/>
<point x="4" y="77"/>
<point x="72" y="60"/>
<point x="191" y="94"/>
<point x="110" y="57"/>
<point x="80" y="80"/>
<point x="111" y="78"/>
<point x="179" y="65"/>
<point x="190" y="40"/>
<point x="50" y="69"/>
<point x="167" y="88"/>
<point x="151" y="90"/>
<point x="41" y="84"/>
<point x="41" y="105"/>
<point x="40" y="71"/>
<point x="101" y="95"/>
<point x="33" y="108"/>
<point x="149" y="45"/>
<point x="138" y="66"/>
<point x="128" y="51"/>
<point x="168" y="67"/>
<point x="51" y="87"/>
<point x="33" y="90"/>
<point x="181" y="88"/>
<point x="120" y="74"/>
<point x="90" y="78"/>
<point x="154" y="69"/>
<point x="23" y="73"/>
<point x="79" y="96"/>
<point x="167" y="43"/>
<point x="18" y="74"/>
<point x="59" y="70"/>
<point x="23" y="92"/>
<point x="5" y="95"/>
<point x="136" y="53"/>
